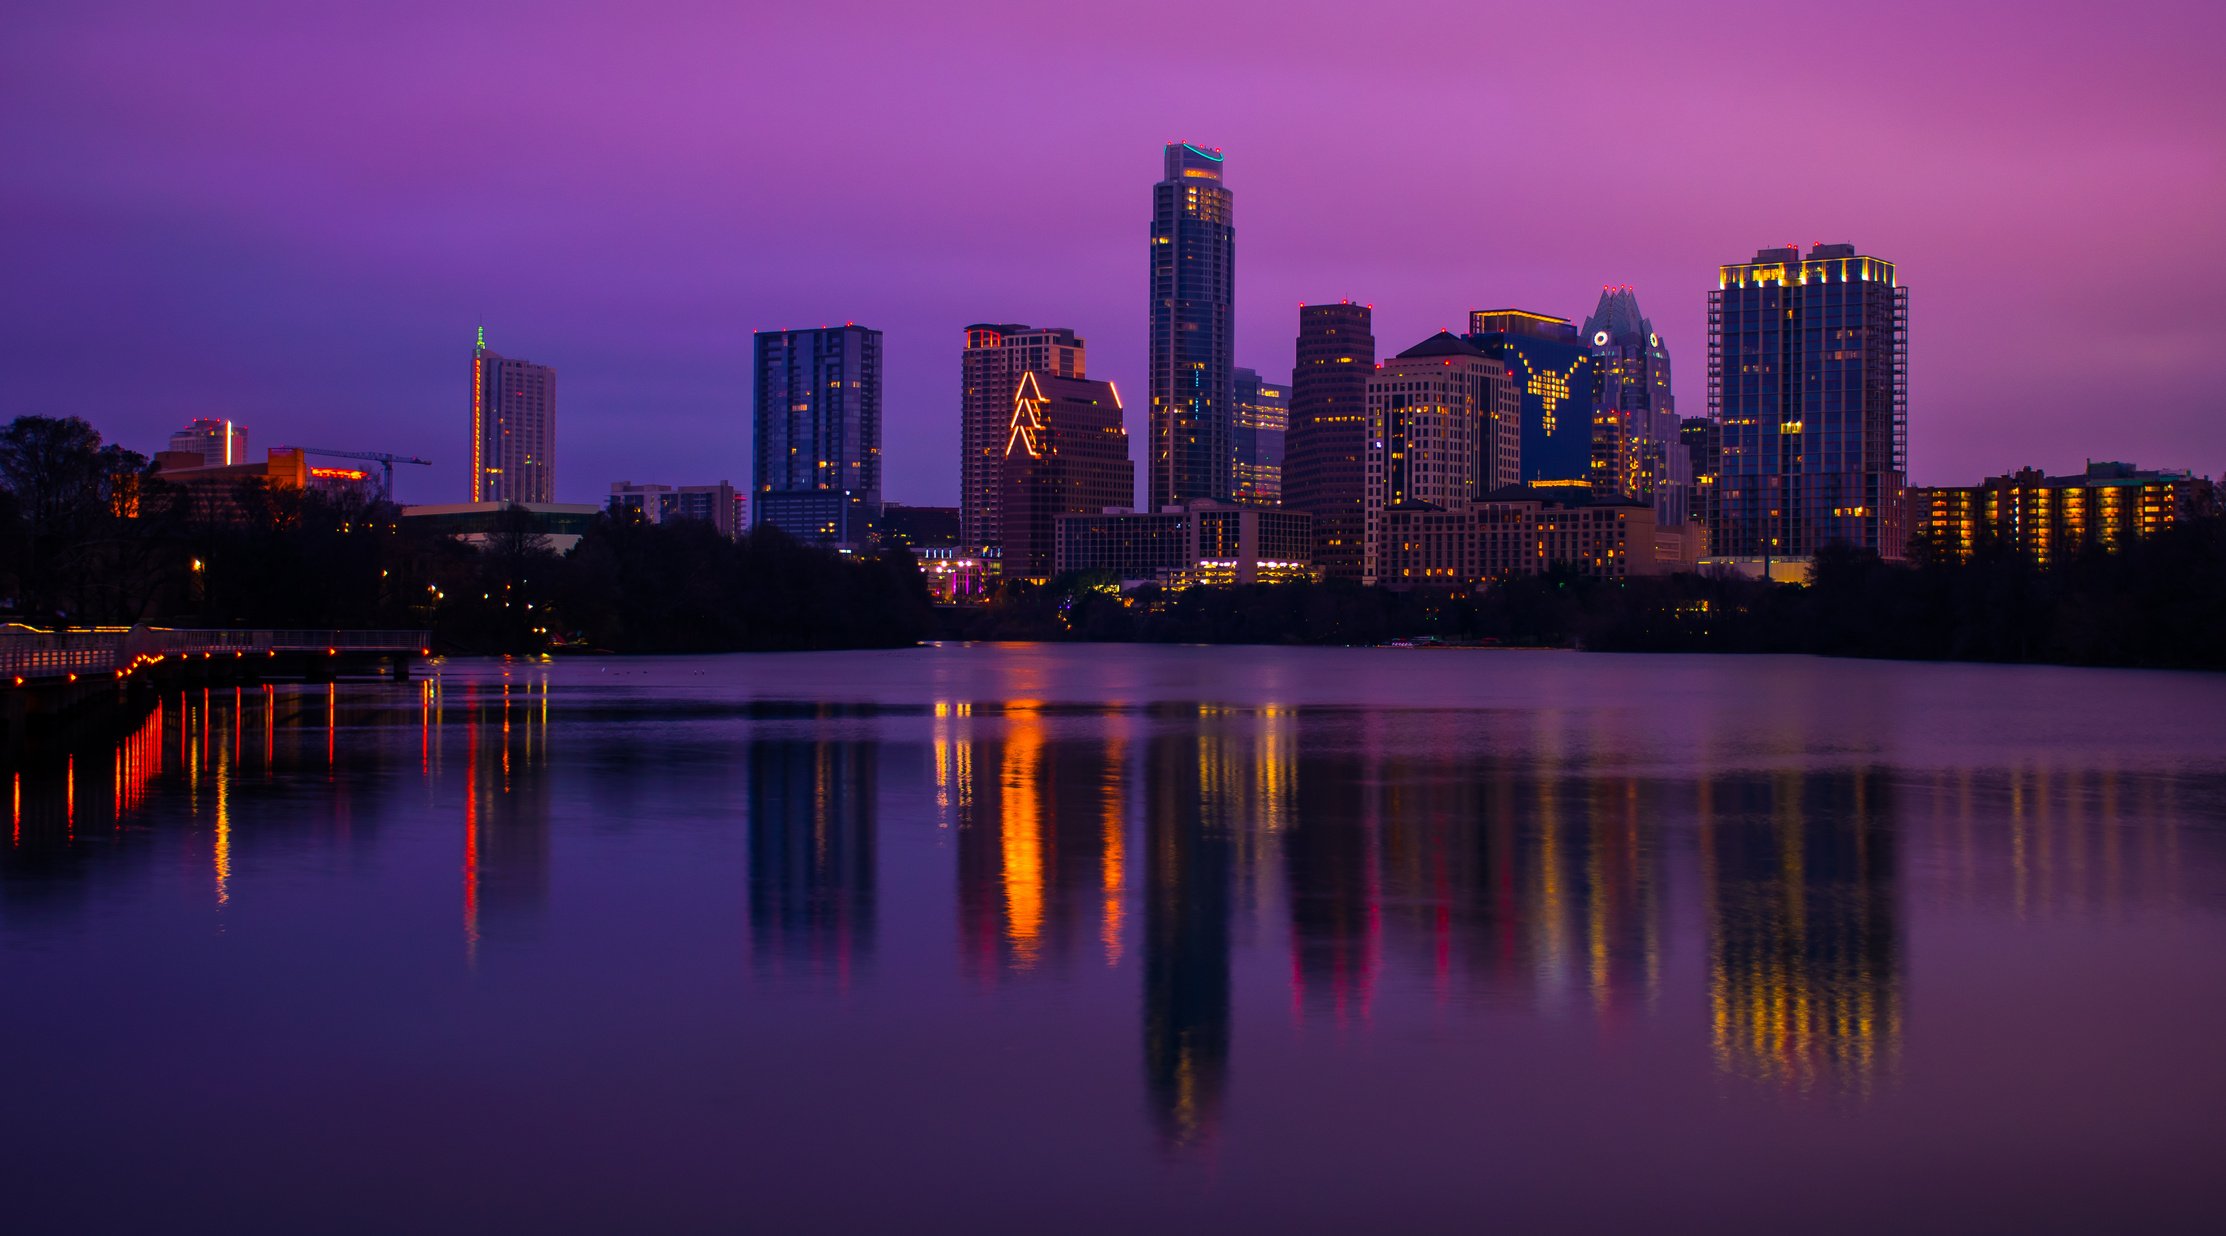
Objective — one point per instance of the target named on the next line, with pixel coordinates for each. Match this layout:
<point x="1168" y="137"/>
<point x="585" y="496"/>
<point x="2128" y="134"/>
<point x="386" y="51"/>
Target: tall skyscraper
<point x="1066" y="453"/>
<point x="1636" y="452"/>
<point x="1325" y="468"/>
<point x="1444" y="430"/>
<point x="1263" y="424"/>
<point x="1194" y="271"/>
<point x="513" y="428"/>
<point x="1808" y="377"/>
<point x="1552" y="371"/>
<point x="817" y="464"/>
<point x="219" y="443"/>
<point x="989" y="373"/>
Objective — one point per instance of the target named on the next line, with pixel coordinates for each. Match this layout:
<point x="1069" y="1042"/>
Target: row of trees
<point x="90" y="534"/>
<point x="2159" y="602"/>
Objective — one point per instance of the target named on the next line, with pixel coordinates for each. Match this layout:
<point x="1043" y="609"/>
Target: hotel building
<point x="1325" y="457"/>
<point x="816" y="465"/>
<point x="1193" y="298"/>
<point x="1443" y="431"/>
<point x="513" y="428"/>
<point x="1808" y="379"/>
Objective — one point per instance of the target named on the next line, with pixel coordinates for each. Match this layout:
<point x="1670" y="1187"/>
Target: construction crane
<point x="385" y="459"/>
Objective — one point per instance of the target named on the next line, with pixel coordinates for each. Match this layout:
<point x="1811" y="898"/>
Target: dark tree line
<point x="2159" y="602"/>
<point x="90" y="534"/>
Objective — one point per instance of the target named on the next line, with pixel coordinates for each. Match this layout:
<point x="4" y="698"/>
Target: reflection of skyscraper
<point x="1041" y="848"/>
<point x="812" y="888"/>
<point x="506" y="809"/>
<point x="1804" y="936"/>
<point x="1187" y="873"/>
<point x="1329" y="867"/>
<point x="1193" y="299"/>
<point x="1325" y="456"/>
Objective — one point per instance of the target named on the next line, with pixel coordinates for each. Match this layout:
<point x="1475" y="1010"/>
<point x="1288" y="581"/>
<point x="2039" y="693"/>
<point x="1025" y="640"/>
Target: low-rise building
<point x="718" y="505"/>
<point x="2051" y="518"/>
<point x="558" y="526"/>
<point x="1519" y="530"/>
<point x="1198" y="542"/>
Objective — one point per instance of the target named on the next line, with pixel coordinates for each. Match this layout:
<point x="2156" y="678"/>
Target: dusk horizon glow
<point x="298" y="219"/>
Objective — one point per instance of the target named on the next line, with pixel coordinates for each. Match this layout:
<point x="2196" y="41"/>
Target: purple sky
<point x="294" y="214"/>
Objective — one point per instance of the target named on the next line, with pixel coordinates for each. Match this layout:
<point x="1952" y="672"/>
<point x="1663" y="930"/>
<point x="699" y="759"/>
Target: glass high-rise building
<point x="816" y="468"/>
<point x="1263" y="426"/>
<point x="513" y="428"/>
<point x="1636" y="450"/>
<point x="1193" y="298"/>
<point x="1808" y="379"/>
<point x="1552" y="371"/>
<point x="1325" y="456"/>
<point x="996" y="355"/>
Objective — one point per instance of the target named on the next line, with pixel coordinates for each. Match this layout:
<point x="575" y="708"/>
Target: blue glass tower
<point x="1193" y="297"/>
<point x="1808" y="380"/>
<point x="1552" y="371"/>
<point x="816" y="463"/>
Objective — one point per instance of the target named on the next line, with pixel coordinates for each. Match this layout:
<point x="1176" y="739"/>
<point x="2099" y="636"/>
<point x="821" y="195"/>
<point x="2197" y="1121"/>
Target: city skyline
<point x="350" y="249"/>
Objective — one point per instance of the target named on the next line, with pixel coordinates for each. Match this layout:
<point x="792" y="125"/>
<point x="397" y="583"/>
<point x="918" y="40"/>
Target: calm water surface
<point x="1128" y="939"/>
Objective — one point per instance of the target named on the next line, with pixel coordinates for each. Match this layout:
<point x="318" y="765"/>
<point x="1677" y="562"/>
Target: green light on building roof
<point x="1203" y="154"/>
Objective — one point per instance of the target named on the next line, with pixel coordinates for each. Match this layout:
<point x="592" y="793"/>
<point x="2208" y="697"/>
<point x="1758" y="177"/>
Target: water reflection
<point x="811" y="853"/>
<point x="1375" y="861"/>
<point x="1800" y="879"/>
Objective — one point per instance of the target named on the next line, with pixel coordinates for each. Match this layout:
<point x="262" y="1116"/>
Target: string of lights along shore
<point x="1531" y="442"/>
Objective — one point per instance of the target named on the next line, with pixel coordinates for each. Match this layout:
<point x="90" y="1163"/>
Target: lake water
<point x="1128" y="939"/>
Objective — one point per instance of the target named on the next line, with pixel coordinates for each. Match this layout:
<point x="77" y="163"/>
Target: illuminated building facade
<point x="215" y="489"/>
<point x="1443" y="431"/>
<point x="1552" y="369"/>
<point x="1263" y="422"/>
<point x="1808" y="378"/>
<point x="1193" y="295"/>
<point x="2049" y="519"/>
<point x="1325" y="460"/>
<point x="219" y="443"/>
<point x="513" y="428"/>
<point x="1196" y="543"/>
<point x="995" y="356"/>
<point x="720" y="505"/>
<point x="817" y="458"/>
<point x="1526" y="531"/>
<point x="1636" y="451"/>
<point x="1066" y="453"/>
<point x="1703" y="442"/>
